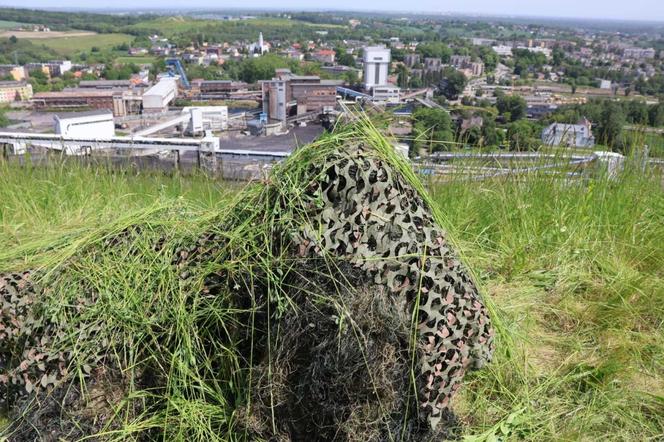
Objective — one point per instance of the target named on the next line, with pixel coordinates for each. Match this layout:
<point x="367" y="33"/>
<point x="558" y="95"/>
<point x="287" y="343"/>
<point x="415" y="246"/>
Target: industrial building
<point x="105" y="84"/>
<point x="15" y="91"/>
<point x="221" y="88"/>
<point x="158" y="97"/>
<point x="204" y="118"/>
<point x="92" y="124"/>
<point x="73" y="99"/>
<point x="376" y="66"/>
<point x="388" y="93"/>
<point x="291" y="95"/>
<point x="120" y="102"/>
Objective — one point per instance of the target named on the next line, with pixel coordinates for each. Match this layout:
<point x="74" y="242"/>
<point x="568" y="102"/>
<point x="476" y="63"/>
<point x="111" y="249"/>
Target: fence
<point x="166" y="154"/>
<point x="478" y="166"/>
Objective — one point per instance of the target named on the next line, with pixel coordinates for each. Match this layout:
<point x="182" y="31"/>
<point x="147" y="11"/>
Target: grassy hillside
<point x="24" y="51"/>
<point x="573" y="272"/>
<point x="68" y="46"/>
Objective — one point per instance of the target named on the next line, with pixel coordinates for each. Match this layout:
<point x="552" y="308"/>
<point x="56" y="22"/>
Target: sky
<point x="651" y="10"/>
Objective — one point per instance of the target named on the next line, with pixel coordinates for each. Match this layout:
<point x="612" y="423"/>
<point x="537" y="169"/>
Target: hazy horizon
<point x="645" y="10"/>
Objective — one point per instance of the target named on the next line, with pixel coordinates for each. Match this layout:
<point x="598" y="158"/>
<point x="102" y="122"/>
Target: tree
<point x="435" y="49"/>
<point x="13" y="40"/>
<point x="490" y="135"/>
<point x="344" y="58"/>
<point x="489" y="57"/>
<point x="262" y="68"/>
<point x="432" y="125"/>
<point x="452" y="84"/>
<point x="610" y="124"/>
<point x="4" y="121"/>
<point x="637" y="112"/>
<point x="513" y="107"/>
<point x="473" y="136"/>
<point x="402" y="76"/>
<point x="521" y="136"/>
<point x="350" y="78"/>
<point x="656" y="115"/>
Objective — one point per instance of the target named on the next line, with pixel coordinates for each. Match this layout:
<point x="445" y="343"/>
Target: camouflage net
<point x="366" y="335"/>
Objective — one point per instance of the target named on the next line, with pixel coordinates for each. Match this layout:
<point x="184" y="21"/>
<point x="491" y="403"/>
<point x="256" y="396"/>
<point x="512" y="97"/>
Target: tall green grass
<point x="576" y="272"/>
<point x="573" y="271"/>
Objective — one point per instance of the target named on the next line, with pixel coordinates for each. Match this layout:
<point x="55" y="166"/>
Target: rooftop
<point x="164" y="86"/>
<point x="104" y="83"/>
<point x="74" y="93"/>
<point x="12" y="83"/>
<point x="91" y="113"/>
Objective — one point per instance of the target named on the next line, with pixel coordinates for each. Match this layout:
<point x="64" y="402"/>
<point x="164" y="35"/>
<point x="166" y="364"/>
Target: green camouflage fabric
<point x="363" y="211"/>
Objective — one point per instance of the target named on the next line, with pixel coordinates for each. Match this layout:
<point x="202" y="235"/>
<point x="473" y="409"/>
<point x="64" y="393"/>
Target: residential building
<point x="18" y="73"/>
<point x="58" y="67"/>
<point x="503" y="50"/>
<point x="411" y="60"/>
<point x="460" y="61"/>
<point x="15" y="91"/>
<point x="433" y="64"/>
<point x="324" y="56"/>
<point x="638" y="53"/>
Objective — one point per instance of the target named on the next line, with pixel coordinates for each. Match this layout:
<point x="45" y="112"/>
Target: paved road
<point x="276" y="143"/>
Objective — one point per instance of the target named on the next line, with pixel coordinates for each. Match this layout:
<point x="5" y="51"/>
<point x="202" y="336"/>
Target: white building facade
<point x="159" y="96"/>
<point x="376" y="66"/>
<point x="94" y="124"/>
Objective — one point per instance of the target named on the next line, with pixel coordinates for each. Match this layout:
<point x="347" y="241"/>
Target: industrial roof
<point x="163" y="87"/>
<point x="105" y="83"/>
<point x="74" y="93"/>
<point x="90" y="113"/>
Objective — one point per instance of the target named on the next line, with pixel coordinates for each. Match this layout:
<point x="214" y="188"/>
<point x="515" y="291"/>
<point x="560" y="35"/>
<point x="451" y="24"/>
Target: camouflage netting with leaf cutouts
<point x="325" y="304"/>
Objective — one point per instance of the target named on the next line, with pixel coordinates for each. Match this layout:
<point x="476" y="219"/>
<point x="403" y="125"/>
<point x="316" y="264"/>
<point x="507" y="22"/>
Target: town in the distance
<point x="258" y="83"/>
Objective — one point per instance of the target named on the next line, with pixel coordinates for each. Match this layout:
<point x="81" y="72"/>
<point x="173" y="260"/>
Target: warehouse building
<point x="93" y="124"/>
<point x="220" y="88"/>
<point x="120" y="102"/>
<point x="105" y="84"/>
<point x="158" y="97"/>
<point x="73" y="99"/>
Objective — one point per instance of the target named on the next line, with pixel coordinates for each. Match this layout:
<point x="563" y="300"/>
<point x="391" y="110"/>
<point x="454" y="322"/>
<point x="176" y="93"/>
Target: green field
<point x="7" y="25"/>
<point x="573" y="274"/>
<point x="177" y="24"/>
<point x="136" y="60"/>
<point x="69" y="46"/>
